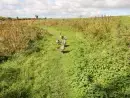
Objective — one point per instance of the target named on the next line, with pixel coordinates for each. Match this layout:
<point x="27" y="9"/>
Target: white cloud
<point x="9" y="2"/>
<point x="59" y="8"/>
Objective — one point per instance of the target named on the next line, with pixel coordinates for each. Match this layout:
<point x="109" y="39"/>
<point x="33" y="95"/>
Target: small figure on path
<point x="63" y="38"/>
<point x="62" y="43"/>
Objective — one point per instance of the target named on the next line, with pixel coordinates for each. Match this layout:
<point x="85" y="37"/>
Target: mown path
<point x="60" y="65"/>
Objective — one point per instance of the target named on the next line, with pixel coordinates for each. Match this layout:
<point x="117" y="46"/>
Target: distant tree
<point x="17" y="17"/>
<point x="36" y="16"/>
<point x="9" y="18"/>
<point x="45" y="18"/>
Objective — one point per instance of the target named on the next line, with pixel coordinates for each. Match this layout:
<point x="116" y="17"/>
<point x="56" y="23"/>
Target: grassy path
<point x="62" y="63"/>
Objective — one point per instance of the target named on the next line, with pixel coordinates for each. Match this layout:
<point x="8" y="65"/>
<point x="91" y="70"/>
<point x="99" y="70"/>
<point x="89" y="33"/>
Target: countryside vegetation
<point x="95" y="64"/>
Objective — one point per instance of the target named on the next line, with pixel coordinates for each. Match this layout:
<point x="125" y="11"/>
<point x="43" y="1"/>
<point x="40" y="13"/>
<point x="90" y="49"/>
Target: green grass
<point x="95" y="66"/>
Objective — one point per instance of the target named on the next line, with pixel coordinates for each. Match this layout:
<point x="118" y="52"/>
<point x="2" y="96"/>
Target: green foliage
<point x="96" y="66"/>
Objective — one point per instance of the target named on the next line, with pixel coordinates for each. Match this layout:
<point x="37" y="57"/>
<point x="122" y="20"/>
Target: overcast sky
<point x="63" y="8"/>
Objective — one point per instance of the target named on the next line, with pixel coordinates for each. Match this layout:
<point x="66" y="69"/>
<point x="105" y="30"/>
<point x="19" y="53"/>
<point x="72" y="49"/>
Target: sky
<point x="63" y="8"/>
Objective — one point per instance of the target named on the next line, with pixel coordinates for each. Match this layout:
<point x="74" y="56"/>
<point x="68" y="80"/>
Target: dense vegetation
<point x="15" y="36"/>
<point x="96" y="63"/>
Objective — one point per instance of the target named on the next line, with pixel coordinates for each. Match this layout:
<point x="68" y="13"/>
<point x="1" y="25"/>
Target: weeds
<point x="15" y="36"/>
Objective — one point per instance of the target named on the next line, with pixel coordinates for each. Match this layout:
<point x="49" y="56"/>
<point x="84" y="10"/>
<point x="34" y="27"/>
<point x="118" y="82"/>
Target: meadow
<point x="96" y="63"/>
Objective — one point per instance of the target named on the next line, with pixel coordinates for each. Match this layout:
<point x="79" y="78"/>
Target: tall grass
<point x="15" y="36"/>
<point x="99" y="28"/>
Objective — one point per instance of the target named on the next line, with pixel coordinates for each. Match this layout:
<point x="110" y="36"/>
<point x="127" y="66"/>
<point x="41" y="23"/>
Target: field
<point x="95" y="63"/>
